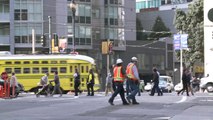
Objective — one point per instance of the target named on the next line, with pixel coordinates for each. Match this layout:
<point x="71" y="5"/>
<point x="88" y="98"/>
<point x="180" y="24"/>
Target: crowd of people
<point x="118" y="76"/>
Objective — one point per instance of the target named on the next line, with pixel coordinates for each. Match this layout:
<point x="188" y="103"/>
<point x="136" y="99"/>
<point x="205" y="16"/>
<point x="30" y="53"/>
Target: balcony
<point x="4" y="17"/>
<point x="5" y="40"/>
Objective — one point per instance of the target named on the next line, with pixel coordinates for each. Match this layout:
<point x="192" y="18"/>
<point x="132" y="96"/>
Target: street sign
<point x="184" y="42"/>
<point x="180" y="41"/>
<point x="176" y="42"/>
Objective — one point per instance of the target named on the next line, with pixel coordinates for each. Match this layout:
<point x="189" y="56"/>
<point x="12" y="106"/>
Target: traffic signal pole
<point x="108" y="56"/>
<point x="50" y="39"/>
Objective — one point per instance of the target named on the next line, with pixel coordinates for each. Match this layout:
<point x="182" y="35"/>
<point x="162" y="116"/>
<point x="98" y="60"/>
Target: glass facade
<point x="83" y="19"/>
<point x="113" y="20"/>
<point x="28" y="16"/>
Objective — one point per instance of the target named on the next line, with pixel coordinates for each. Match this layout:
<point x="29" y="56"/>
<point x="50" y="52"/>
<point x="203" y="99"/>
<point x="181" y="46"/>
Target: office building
<point x="95" y="21"/>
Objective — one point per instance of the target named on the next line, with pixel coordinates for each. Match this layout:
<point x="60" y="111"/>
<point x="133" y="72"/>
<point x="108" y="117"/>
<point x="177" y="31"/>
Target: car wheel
<point x="209" y="87"/>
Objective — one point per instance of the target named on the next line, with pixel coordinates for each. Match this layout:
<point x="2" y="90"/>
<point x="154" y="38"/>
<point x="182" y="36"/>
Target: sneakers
<point x="128" y="99"/>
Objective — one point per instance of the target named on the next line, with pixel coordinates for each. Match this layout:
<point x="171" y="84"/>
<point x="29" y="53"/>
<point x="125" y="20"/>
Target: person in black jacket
<point x="77" y="82"/>
<point x="186" y="77"/>
<point x="156" y="83"/>
<point x="90" y="83"/>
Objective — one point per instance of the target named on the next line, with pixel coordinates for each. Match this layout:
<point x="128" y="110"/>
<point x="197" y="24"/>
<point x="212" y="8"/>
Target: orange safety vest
<point x="130" y="72"/>
<point x="118" y="76"/>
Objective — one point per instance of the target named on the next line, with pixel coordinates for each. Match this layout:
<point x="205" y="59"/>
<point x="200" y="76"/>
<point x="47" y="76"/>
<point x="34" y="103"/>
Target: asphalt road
<point x="167" y="107"/>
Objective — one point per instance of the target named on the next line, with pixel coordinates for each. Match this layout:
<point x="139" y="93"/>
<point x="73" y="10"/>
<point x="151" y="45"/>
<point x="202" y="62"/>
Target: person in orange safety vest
<point x="119" y="76"/>
<point x="133" y="80"/>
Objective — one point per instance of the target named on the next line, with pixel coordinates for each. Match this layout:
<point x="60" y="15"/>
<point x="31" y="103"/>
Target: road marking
<point x="184" y="98"/>
<point x="162" y="118"/>
<point x="206" y="100"/>
<point x="57" y="99"/>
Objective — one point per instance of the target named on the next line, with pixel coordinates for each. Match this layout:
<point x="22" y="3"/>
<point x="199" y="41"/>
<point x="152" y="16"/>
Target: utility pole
<point x="33" y="41"/>
<point x="108" y="55"/>
<point x="50" y="36"/>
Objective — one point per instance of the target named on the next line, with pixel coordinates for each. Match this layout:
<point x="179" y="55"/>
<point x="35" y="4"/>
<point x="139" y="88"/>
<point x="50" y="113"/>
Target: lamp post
<point x="73" y="9"/>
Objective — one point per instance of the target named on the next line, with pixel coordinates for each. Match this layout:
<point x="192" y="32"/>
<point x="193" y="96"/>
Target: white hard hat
<point x="134" y="59"/>
<point x="119" y="61"/>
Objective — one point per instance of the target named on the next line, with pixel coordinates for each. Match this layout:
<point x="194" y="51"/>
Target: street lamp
<point x="73" y="9"/>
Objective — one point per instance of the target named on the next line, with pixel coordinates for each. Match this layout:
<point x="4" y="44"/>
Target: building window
<point x="17" y="39"/>
<point x="20" y="14"/>
<point x="17" y="15"/>
<point x="113" y="1"/>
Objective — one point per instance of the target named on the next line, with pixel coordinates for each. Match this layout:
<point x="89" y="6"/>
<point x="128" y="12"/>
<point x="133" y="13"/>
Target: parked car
<point x="165" y="84"/>
<point x="206" y="83"/>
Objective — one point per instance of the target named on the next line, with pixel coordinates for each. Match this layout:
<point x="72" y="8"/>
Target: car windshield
<point x="162" y="81"/>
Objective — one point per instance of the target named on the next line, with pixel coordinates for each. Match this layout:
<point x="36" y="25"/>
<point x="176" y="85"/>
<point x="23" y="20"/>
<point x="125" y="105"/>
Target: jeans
<point x="134" y="90"/>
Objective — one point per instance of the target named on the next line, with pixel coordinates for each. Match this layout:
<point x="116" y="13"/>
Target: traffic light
<point x="55" y="39"/>
<point x="43" y="40"/>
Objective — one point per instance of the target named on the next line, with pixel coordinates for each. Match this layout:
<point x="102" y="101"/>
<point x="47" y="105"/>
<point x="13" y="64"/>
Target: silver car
<point x="165" y="84"/>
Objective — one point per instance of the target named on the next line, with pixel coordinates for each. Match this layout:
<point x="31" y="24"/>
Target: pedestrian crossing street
<point x="144" y="97"/>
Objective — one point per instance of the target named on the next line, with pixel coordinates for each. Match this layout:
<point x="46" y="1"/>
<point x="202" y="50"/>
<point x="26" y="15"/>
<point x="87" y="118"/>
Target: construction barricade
<point x="5" y="89"/>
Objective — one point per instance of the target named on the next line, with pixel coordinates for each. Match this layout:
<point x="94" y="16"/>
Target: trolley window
<point x="26" y="70"/>
<point x="87" y="69"/>
<point x="17" y="70"/>
<point x="8" y="62"/>
<point x="26" y="62"/>
<point x="63" y="62"/>
<point x="70" y="69"/>
<point x="8" y="70"/>
<point x="54" y="62"/>
<point x="35" y="62"/>
<point x="54" y="69"/>
<point x="17" y="62"/>
<point x="63" y="70"/>
<point x="44" y="62"/>
<point x="44" y="70"/>
<point x="35" y="70"/>
<point x="82" y="69"/>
